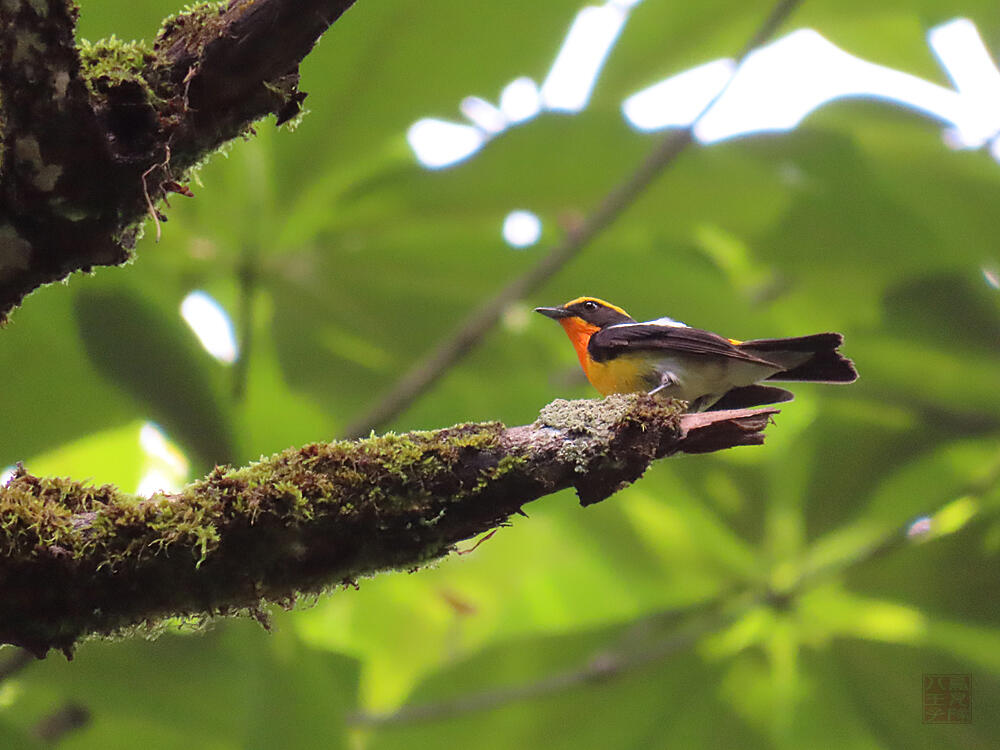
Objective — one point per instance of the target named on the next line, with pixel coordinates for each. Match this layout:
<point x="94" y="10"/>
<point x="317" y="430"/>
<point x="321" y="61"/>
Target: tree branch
<point x="94" y="137"/>
<point x="426" y="372"/>
<point x="78" y="560"/>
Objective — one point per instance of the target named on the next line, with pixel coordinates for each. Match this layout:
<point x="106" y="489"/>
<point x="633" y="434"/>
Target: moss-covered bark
<point x="78" y="560"/>
<point x="93" y="136"/>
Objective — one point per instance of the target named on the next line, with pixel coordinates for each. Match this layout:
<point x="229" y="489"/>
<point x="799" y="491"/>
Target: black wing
<point x="613" y="341"/>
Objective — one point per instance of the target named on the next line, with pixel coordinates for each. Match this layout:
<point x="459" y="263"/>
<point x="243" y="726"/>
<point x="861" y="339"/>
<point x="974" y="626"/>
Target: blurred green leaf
<point x="15" y="739"/>
<point x="659" y="704"/>
<point x="109" y="457"/>
<point x="235" y="687"/>
<point x="144" y="351"/>
<point x="882" y="683"/>
<point x="77" y="401"/>
<point x="917" y="308"/>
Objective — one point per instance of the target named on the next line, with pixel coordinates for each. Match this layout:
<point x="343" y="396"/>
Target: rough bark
<point x="78" y="560"/>
<point x="93" y="138"/>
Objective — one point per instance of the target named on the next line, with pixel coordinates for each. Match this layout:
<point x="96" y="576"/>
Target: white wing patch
<point x="665" y="322"/>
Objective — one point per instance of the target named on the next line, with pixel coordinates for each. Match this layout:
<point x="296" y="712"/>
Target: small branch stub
<point x="78" y="560"/>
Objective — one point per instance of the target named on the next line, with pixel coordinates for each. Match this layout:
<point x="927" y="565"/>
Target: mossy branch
<point x="94" y="136"/>
<point x="79" y="560"/>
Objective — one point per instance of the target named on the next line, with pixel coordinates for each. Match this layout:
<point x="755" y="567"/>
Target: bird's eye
<point x="590" y="305"/>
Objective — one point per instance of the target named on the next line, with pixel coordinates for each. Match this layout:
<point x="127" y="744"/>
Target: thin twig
<point x="426" y="372"/>
<point x="150" y="208"/>
<point x="247" y="276"/>
<point x="627" y="656"/>
<point x="599" y="668"/>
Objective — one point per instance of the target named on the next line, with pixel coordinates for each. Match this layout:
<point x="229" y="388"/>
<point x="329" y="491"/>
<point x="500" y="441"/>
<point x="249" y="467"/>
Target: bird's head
<point x="586" y="313"/>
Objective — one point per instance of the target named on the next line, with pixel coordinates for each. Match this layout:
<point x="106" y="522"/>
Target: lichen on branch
<point x="77" y="560"/>
<point x="95" y="135"/>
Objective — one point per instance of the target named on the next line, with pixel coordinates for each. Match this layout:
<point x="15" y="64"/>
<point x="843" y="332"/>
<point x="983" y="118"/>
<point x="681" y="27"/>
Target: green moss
<point x="109" y="63"/>
<point x="504" y="466"/>
<point x="419" y="473"/>
<point x="356" y="507"/>
<point x="192" y="13"/>
<point x="292" y="124"/>
<point x="189" y="29"/>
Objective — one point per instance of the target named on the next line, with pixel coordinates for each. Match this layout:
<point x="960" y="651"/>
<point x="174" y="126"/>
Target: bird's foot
<point x="667" y="379"/>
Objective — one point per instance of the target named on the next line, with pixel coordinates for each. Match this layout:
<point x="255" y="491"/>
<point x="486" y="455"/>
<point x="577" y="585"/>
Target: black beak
<point x="554" y="312"/>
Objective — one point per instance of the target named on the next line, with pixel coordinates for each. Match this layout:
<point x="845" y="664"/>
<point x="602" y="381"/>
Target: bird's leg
<point x="667" y="379"/>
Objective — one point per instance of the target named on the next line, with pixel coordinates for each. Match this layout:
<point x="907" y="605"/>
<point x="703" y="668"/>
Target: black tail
<point x="826" y="365"/>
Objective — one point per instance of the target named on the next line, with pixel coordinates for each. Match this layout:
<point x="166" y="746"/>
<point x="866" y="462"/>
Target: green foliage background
<point x="861" y="222"/>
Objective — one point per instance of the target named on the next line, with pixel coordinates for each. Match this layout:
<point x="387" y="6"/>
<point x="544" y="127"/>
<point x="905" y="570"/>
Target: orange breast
<point x="623" y="374"/>
<point x="579" y="332"/>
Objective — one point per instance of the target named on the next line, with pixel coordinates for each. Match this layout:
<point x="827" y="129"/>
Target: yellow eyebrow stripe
<point x="599" y="301"/>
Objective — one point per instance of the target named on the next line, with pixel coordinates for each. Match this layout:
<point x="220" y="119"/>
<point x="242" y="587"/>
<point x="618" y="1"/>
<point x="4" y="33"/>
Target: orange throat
<point x="579" y="332"/>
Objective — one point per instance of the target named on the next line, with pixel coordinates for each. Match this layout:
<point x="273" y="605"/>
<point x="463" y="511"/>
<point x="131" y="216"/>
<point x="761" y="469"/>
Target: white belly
<point x="708" y="378"/>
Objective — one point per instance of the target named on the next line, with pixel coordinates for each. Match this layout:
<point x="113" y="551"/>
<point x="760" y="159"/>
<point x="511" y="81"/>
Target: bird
<point x="668" y="358"/>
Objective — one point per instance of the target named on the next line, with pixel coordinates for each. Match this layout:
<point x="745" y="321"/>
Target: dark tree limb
<point x="78" y="560"/>
<point x="94" y="138"/>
